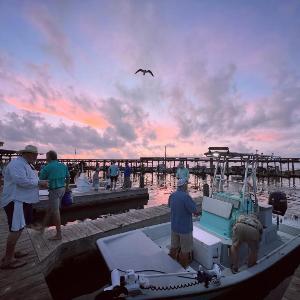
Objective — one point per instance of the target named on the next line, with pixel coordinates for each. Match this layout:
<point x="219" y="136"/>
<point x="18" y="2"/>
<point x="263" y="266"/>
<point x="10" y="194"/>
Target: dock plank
<point x="293" y="290"/>
<point x="27" y="282"/>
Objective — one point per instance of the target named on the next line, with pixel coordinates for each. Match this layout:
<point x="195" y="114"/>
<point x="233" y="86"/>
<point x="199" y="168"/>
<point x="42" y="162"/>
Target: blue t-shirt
<point x="182" y="207"/>
<point x="127" y="171"/>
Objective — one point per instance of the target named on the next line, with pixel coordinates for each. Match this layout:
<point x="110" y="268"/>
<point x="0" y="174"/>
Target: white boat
<point x="142" y="269"/>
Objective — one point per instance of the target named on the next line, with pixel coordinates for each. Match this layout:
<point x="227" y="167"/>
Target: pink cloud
<point x="63" y="108"/>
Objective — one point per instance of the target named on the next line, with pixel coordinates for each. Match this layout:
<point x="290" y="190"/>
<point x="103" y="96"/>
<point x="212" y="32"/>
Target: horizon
<point x="224" y="74"/>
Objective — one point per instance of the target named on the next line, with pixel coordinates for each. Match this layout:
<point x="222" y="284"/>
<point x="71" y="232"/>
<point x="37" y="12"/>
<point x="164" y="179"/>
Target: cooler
<point x="206" y="248"/>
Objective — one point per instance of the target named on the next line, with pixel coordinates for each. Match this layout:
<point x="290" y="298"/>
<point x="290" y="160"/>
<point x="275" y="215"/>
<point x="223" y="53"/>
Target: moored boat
<point x="142" y="269"/>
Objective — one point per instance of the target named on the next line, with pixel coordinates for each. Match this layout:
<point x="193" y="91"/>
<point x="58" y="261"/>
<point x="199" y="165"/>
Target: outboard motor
<point x="279" y="202"/>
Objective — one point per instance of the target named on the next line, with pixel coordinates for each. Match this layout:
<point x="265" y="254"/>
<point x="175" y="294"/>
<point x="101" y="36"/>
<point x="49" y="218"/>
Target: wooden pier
<point x="29" y="282"/>
<point x="92" y="204"/>
<point x="293" y="290"/>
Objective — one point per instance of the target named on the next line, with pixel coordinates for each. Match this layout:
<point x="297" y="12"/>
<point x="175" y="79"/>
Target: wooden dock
<point x="92" y="204"/>
<point x="293" y="290"/>
<point x="29" y="282"/>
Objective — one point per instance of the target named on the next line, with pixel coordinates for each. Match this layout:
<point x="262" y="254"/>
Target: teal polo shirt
<point x="56" y="173"/>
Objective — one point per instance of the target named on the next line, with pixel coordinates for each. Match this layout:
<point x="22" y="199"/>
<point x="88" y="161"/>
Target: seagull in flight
<point x="144" y="71"/>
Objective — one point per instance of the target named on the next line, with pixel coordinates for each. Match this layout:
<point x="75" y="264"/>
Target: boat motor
<point x="279" y="202"/>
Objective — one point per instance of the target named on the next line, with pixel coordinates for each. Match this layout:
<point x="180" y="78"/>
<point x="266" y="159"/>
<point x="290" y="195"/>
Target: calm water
<point x="160" y="187"/>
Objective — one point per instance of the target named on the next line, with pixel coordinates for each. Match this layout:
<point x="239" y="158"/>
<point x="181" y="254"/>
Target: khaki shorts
<point x="55" y="197"/>
<point x="243" y="233"/>
<point x="184" y="242"/>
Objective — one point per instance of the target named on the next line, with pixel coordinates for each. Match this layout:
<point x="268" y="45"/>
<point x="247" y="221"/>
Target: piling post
<point x="293" y="168"/>
<point x="211" y="165"/>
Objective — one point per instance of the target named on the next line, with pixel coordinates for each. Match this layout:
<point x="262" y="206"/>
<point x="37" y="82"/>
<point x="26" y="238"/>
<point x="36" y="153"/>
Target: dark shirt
<point x="182" y="207"/>
<point x="127" y="171"/>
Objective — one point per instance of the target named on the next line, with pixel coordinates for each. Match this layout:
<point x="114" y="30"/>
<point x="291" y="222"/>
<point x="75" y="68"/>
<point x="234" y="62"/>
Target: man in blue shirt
<point x="127" y="173"/>
<point x="182" y="208"/>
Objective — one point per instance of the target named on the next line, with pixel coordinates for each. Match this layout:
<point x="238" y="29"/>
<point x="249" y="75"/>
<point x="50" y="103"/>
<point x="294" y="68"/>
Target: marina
<point x="149" y="150"/>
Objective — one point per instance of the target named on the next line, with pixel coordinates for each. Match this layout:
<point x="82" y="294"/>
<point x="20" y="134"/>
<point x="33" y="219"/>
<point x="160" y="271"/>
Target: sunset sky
<point x="226" y="73"/>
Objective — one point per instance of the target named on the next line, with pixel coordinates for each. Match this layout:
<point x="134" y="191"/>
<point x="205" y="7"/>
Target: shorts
<point x="55" y="197"/>
<point x="242" y="233"/>
<point x="113" y="178"/>
<point x="9" y="210"/>
<point x="182" y="241"/>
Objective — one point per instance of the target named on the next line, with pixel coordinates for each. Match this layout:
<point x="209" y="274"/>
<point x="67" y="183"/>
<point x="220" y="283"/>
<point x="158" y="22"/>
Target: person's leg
<point x="175" y="245"/>
<point x="59" y="193"/>
<point x="253" y="249"/>
<point x="111" y="182"/>
<point x="13" y="236"/>
<point x="11" y="242"/>
<point x="186" y="249"/>
<point x="116" y="178"/>
<point x="234" y="250"/>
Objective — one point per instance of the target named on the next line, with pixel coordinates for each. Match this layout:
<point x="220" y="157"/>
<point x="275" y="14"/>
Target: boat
<point x="142" y="269"/>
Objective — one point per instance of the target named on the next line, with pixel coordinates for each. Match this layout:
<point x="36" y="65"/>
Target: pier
<point x="92" y="204"/>
<point x="293" y="290"/>
<point x="269" y="165"/>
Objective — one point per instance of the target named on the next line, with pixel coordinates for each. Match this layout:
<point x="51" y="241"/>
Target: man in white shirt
<point x="20" y="190"/>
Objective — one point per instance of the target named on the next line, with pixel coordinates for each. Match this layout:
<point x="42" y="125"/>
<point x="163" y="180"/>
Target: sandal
<point x="13" y="265"/>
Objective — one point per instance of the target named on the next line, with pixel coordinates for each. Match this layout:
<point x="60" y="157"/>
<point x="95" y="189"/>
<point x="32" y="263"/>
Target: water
<point x="161" y="186"/>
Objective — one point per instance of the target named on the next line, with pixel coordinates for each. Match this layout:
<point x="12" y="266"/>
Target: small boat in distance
<point x="142" y="269"/>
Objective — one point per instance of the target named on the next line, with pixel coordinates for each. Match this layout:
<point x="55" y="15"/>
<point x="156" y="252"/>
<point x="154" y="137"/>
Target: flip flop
<point x="20" y="254"/>
<point x="13" y="265"/>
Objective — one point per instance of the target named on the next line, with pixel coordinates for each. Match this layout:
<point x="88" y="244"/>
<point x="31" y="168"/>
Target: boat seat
<point x="136" y="251"/>
<point x="227" y="197"/>
<point x="217" y="207"/>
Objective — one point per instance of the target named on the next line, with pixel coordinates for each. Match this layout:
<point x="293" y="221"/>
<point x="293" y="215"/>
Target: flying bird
<point x="144" y="71"/>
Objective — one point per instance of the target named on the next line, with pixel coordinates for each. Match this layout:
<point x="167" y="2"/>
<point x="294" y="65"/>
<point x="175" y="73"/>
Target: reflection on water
<point x="160" y="187"/>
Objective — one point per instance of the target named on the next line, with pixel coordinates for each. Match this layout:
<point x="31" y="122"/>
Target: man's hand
<point x="44" y="184"/>
<point x="196" y="214"/>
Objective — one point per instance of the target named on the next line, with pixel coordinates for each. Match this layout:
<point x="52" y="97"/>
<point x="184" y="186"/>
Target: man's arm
<point x="169" y="201"/>
<point x="190" y="205"/>
<point x="19" y="176"/>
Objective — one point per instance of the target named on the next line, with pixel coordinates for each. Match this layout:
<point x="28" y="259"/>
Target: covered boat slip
<point x="146" y="251"/>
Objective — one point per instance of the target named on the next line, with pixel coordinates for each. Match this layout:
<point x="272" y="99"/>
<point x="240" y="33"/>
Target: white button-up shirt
<point x="20" y="183"/>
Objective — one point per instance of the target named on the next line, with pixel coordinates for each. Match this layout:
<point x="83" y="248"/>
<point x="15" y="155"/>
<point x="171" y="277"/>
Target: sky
<point x="226" y="73"/>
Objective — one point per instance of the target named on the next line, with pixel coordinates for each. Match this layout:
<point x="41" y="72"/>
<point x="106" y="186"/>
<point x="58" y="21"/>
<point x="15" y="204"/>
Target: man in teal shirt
<point x="58" y="177"/>
<point x="113" y="172"/>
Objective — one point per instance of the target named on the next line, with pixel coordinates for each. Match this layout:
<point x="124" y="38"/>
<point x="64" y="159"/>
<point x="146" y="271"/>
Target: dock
<point x="29" y="282"/>
<point x="92" y="203"/>
<point x="293" y="290"/>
